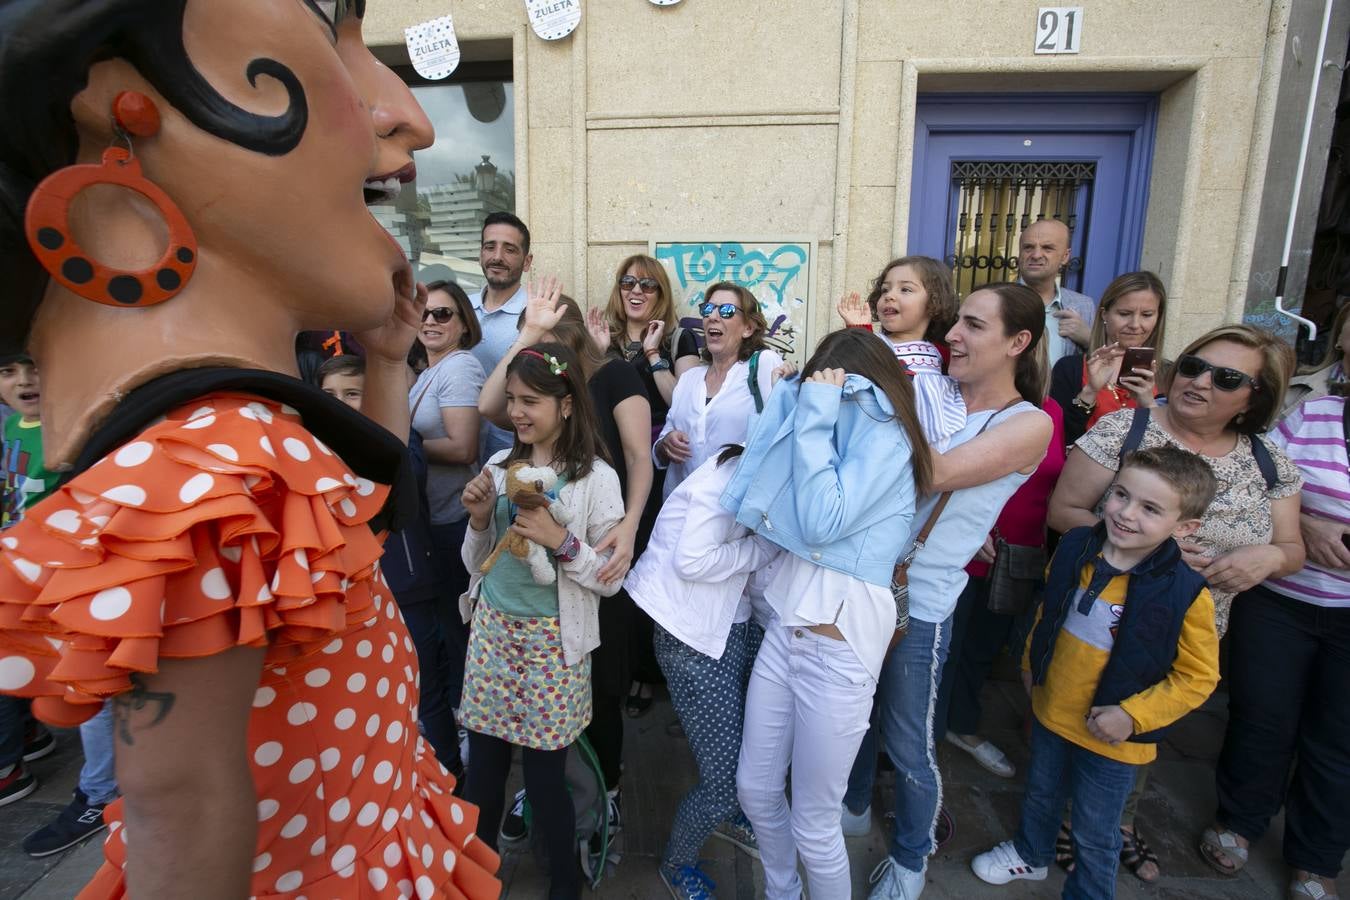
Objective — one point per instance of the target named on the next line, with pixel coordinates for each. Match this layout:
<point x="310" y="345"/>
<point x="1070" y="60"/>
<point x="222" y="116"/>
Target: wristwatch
<point x="661" y="365"/>
<point x="1086" y="407"/>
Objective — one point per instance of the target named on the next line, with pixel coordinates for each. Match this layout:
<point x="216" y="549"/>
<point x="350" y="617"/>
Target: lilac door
<point x="986" y="165"/>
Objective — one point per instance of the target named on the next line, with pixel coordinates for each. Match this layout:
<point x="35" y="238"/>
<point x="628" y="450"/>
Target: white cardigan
<point x="595" y="500"/>
<point x="691" y="577"/>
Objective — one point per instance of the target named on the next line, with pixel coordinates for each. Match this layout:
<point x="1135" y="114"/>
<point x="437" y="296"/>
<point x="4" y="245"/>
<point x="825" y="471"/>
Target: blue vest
<point x="1160" y="591"/>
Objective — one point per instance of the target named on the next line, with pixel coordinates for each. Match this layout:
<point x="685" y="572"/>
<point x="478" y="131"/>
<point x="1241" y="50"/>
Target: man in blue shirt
<point x="1043" y="251"/>
<point x="505" y="258"/>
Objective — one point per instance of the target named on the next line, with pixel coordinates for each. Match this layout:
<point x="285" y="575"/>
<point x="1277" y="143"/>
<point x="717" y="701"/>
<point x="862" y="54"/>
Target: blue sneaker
<point x="687" y="882"/>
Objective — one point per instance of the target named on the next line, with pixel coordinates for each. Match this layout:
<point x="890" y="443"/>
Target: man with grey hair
<point x="1043" y="251"/>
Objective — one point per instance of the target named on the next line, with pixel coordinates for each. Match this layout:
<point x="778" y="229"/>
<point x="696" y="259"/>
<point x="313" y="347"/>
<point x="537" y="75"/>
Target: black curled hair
<point x="46" y="50"/>
<point x="502" y="217"/>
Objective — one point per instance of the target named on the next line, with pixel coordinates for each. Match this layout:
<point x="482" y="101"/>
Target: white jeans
<point x="807" y="707"/>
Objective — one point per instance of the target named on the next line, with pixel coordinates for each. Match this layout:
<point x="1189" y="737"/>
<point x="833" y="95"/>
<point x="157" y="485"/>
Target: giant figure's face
<point x="297" y="221"/>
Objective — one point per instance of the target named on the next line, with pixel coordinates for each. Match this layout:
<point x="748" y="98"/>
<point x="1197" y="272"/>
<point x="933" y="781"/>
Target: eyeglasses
<point x="1225" y="379"/>
<point x="725" y="310"/>
<point x="441" y="314"/>
<point x="648" y="285"/>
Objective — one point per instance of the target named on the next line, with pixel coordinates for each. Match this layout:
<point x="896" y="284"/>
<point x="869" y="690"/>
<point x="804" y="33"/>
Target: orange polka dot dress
<point x="228" y="524"/>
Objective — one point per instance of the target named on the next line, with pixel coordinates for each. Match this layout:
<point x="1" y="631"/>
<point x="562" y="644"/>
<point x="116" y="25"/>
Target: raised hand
<point x="543" y="310"/>
<point x="598" y="328"/>
<point x="853" y="309"/>
<point x="651" y="337"/>
<point x="478" y="498"/>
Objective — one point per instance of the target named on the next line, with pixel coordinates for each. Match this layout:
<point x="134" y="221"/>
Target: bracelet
<point x="660" y="365"/>
<point x="569" y="548"/>
<point x="1085" y="406"/>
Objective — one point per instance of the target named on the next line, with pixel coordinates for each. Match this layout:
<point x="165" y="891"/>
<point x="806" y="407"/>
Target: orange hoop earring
<point x="47" y="221"/>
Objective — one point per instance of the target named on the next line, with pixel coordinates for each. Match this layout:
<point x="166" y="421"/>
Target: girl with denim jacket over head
<point x="830" y="474"/>
<point x="999" y="363"/>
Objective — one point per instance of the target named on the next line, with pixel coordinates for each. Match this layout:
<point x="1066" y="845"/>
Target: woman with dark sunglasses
<point x="1223" y="391"/>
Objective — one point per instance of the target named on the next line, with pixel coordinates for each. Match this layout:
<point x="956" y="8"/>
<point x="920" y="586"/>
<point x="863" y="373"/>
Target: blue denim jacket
<point x="826" y="475"/>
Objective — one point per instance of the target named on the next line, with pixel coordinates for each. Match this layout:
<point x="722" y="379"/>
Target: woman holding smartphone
<point x="1118" y="371"/>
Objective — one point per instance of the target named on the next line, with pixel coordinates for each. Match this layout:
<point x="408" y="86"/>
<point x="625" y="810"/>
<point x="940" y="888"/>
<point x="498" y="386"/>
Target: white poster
<point x="553" y="19"/>
<point x="433" y="48"/>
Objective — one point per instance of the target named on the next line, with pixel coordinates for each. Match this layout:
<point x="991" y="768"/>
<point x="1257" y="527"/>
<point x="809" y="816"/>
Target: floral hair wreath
<point x="555" y="366"/>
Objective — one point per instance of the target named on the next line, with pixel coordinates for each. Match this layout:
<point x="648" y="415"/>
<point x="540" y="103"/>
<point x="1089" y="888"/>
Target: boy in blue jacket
<point x="413" y="577"/>
<point x="1124" y="646"/>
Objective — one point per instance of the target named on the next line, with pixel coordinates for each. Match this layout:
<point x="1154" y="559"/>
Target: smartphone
<point x="1136" y="358"/>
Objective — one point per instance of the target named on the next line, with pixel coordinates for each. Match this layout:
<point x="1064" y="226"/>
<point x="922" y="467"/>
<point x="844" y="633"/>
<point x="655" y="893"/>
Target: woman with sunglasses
<point x="1223" y="391"/>
<point x="639" y="324"/>
<point x="712" y="404"/>
<point x="443" y="403"/>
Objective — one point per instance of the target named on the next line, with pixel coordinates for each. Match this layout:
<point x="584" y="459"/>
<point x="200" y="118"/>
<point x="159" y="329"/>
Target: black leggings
<point x="553" y="819"/>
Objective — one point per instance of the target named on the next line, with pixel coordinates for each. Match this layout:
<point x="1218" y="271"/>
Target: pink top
<point x="1023" y="518"/>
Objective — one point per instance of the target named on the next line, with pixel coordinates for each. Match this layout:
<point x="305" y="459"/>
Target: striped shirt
<point x="1313" y="437"/>
<point x="938" y="401"/>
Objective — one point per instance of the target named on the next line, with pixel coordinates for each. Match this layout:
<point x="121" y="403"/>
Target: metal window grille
<point x="997" y="200"/>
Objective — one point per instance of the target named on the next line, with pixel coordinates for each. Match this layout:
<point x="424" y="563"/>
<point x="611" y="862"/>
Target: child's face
<point x="1142" y="510"/>
<point x="537" y="418"/>
<point x="19" y="388"/>
<point x="903" y="304"/>
<point x="347" y="388"/>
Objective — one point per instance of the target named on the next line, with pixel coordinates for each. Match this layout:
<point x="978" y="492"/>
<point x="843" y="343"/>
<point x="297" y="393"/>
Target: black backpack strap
<point x="1265" y="462"/>
<point x="1135" y="436"/>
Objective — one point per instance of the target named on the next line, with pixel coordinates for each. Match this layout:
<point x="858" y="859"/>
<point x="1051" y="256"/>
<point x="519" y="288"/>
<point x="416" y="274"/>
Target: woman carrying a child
<point x="1223" y="391"/>
<point x="998" y="364"/>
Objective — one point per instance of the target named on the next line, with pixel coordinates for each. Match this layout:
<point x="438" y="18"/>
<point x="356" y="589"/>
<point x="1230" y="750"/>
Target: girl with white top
<point x="810" y="481"/>
<point x="691" y="581"/>
<point x="712" y="404"/>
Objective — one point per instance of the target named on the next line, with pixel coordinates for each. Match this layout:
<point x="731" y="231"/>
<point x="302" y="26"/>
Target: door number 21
<point x="1059" y="29"/>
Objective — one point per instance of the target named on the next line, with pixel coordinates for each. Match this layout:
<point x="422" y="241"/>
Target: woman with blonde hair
<point x="1087" y="386"/>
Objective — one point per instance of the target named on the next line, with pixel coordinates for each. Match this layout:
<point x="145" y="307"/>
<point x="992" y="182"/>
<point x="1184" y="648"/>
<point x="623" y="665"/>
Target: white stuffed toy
<point x="527" y="487"/>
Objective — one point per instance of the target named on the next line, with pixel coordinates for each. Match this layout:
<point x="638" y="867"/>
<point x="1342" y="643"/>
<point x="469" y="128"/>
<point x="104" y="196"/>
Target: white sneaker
<point x="987" y="755"/>
<point x="894" y="882"/>
<point x="859" y="825"/>
<point x="1004" y="864"/>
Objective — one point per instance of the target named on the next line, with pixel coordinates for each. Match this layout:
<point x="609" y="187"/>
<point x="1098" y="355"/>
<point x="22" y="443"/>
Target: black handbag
<point x="1017" y="573"/>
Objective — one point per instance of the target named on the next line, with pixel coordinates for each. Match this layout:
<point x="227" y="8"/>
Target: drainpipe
<point x="1298" y="175"/>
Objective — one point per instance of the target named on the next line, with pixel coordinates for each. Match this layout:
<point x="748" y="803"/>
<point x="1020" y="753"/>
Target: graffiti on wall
<point x="778" y="272"/>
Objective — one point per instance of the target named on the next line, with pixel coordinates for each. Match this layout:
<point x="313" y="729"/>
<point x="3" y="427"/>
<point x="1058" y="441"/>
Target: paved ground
<point x="1177" y="805"/>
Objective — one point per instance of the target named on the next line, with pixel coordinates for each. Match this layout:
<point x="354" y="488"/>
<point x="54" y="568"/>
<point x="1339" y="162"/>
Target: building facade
<point x="799" y="144"/>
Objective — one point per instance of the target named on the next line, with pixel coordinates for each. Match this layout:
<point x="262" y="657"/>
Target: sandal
<point x="1064" y="847"/>
<point x="1222" y="852"/>
<point x="1135" y="854"/>
<point x="1310" y="888"/>
<point x="637" y="705"/>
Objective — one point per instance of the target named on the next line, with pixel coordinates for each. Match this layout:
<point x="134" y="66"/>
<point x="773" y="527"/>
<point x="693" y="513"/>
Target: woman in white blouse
<point x="713" y="403"/>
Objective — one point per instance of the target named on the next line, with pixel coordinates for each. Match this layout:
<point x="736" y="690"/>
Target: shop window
<point x="467" y="173"/>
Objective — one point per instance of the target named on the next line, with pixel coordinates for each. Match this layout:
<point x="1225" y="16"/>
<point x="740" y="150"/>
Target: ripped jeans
<point x="905" y="704"/>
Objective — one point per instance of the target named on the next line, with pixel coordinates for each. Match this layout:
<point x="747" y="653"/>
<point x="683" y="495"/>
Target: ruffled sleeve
<point x="225" y="524"/>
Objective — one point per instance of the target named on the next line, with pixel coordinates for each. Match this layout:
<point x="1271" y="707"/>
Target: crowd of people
<point x="824" y="565"/>
<point x="303" y="628"/>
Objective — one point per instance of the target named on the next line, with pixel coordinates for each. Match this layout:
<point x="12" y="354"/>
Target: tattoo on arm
<point x="127" y="709"/>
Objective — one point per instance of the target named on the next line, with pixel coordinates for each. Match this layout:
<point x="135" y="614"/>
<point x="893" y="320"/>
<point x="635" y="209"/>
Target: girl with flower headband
<point x="527" y="676"/>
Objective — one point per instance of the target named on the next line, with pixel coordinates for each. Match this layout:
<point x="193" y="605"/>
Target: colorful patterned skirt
<point x="516" y="686"/>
